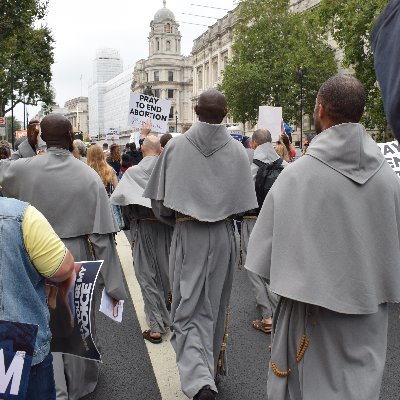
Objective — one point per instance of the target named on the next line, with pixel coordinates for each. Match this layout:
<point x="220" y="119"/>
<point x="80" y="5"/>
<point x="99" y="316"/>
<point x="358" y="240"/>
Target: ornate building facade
<point x="210" y="54"/>
<point x="166" y="72"/>
<point x="77" y="112"/>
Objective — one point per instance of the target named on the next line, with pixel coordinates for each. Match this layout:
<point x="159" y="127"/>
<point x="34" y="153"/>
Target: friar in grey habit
<point x="72" y="197"/>
<point x="151" y="240"/>
<point x="266" y="300"/>
<point x="338" y="265"/>
<point x="200" y="180"/>
<point x="27" y="148"/>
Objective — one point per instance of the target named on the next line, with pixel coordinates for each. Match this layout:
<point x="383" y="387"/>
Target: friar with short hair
<point x="327" y="238"/>
<point x="200" y="180"/>
<point x="151" y="240"/>
<point x="261" y="143"/>
<point x="72" y="197"/>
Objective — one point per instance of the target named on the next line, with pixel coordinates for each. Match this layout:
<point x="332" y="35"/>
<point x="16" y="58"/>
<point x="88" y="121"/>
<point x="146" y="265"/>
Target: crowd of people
<point x="322" y="284"/>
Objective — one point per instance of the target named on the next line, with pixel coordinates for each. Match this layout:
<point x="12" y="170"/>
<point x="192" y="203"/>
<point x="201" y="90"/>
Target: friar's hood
<point x="329" y="230"/>
<point x="131" y="187"/>
<point x="266" y="153"/>
<point x="204" y="174"/>
<point x="24" y="151"/>
<point x="348" y="149"/>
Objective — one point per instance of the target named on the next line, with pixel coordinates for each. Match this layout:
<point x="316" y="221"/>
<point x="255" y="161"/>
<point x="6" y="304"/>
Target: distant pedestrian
<point x="81" y="147"/>
<point x="126" y="162"/>
<point x="5" y="150"/>
<point x="95" y="160"/>
<point x="114" y="159"/>
<point x="165" y="139"/>
<point x="134" y="153"/>
<point x="28" y="148"/>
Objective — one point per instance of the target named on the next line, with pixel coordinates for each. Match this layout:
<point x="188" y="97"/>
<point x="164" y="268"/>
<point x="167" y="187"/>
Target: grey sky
<point x="82" y="26"/>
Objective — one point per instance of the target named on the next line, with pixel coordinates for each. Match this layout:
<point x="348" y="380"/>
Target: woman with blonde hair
<point x="95" y="160"/>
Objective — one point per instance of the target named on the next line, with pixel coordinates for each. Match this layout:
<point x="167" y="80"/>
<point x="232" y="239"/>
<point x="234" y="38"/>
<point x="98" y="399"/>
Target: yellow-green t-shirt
<point x="45" y="249"/>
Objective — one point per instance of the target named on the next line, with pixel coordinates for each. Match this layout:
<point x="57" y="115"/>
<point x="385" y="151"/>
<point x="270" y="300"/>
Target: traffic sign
<point x="2" y="121"/>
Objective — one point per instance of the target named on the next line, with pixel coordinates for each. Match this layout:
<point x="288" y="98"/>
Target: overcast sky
<point x="80" y="27"/>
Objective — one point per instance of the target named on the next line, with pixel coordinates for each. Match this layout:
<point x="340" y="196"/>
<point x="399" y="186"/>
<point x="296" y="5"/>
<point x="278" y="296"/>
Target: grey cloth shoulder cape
<point x="60" y="185"/>
<point x="131" y="187"/>
<point x="329" y="230"/>
<point x="385" y="42"/>
<point x="204" y="174"/>
<point x="24" y="151"/>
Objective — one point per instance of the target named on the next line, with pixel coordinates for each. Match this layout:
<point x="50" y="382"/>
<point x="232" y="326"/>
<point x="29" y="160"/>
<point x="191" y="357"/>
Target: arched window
<point x="168" y="45"/>
<point x="167" y="28"/>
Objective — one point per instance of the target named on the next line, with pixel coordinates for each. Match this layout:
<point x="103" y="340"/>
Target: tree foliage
<point x="26" y="54"/>
<point x="350" y="23"/>
<point x="271" y="44"/>
<point x="16" y="126"/>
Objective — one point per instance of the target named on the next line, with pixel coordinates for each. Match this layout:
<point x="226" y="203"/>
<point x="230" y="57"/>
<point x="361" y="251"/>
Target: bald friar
<point x="200" y="180"/>
<point x="151" y="240"/>
<point x="72" y="197"/>
<point x="266" y="300"/>
<point x="338" y="266"/>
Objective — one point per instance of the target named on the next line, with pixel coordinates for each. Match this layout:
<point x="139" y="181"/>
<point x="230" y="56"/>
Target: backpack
<point x="265" y="178"/>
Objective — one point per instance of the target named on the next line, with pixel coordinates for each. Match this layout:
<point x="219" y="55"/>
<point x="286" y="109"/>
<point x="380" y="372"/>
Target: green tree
<point x="270" y="45"/>
<point x="26" y="54"/>
<point x="17" y="126"/>
<point x="350" y="23"/>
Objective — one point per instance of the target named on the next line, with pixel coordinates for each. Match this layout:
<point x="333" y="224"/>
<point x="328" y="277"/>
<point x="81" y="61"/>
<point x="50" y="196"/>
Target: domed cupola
<point x="164" y="38"/>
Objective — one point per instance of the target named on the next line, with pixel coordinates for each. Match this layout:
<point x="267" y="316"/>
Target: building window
<point x="147" y="77"/>
<point x="167" y="28"/>
<point x="158" y="45"/>
<point x="170" y="76"/>
<point x="157" y="93"/>
<point x="156" y="76"/>
<point x="171" y="113"/>
<point x="215" y="70"/>
<point x="168" y="46"/>
<point x="200" y="78"/>
<point x="170" y="93"/>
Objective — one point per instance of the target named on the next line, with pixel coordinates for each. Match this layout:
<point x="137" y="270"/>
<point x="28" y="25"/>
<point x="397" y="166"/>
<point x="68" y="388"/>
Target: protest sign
<point x="134" y="138"/>
<point x="71" y="310"/>
<point x="391" y="152"/>
<point x="112" y="134"/>
<point x="143" y="108"/>
<point x="270" y="118"/>
<point x="17" y="343"/>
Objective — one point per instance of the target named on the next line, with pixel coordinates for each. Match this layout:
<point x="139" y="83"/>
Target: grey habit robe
<point x="151" y="243"/>
<point x="24" y="151"/>
<point x="331" y="229"/>
<point x="203" y="175"/>
<point x="385" y="42"/>
<point x="72" y="197"/>
<point x="266" y="300"/>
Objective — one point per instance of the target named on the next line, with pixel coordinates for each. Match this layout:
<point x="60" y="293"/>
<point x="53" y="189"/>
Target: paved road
<point x="127" y="372"/>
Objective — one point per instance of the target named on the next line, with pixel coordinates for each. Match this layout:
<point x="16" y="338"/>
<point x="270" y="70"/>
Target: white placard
<point x="391" y="152"/>
<point x="134" y="138"/>
<point x="107" y="307"/>
<point x="112" y="133"/>
<point x="270" y="118"/>
<point x="143" y="108"/>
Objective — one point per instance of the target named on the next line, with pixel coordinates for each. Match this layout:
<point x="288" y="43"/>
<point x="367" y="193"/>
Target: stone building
<point x="166" y="72"/>
<point x="211" y="52"/>
<point x="77" y="112"/>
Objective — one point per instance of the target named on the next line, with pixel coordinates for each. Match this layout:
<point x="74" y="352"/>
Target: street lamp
<point x="300" y="74"/>
<point x="176" y="121"/>
<point x="12" y="108"/>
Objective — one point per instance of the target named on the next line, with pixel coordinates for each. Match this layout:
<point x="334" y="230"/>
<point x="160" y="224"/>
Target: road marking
<point x="162" y="356"/>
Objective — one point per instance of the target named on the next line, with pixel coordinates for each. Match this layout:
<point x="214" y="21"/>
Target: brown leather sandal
<point x="147" y="336"/>
<point x="262" y="326"/>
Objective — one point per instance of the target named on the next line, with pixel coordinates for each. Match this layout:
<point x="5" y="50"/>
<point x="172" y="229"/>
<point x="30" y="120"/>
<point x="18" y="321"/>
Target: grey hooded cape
<point x="24" y="151"/>
<point x="195" y="176"/>
<point x="385" y="41"/>
<point x="203" y="174"/>
<point x="151" y="242"/>
<point x="331" y="226"/>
